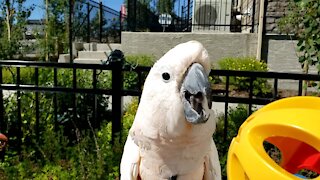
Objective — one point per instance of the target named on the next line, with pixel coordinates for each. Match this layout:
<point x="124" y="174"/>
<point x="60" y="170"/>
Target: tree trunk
<point x="47" y="29"/>
<point x="8" y="18"/>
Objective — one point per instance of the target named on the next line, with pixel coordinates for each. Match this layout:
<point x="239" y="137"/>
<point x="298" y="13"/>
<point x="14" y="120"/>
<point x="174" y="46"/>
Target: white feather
<point x="164" y="143"/>
<point x="129" y="166"/>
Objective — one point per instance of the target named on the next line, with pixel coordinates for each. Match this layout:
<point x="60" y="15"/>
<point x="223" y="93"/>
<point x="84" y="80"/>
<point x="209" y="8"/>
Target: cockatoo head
<point x="177" y="91"/>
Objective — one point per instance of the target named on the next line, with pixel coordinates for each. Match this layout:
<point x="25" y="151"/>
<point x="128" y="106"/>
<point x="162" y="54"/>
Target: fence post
<point x="226" y="106"/>
<point x="188" y="16"/>
<point x="19" y="118"/>
<point x="120" y="23"/>
<point x="116" y="61"/>
<point x="2" y="125"/>
<point x="70" y="30"/>
<point x="253" y="16"/>
<point x="100" y="22"/>
<point x="135" y="15"/>
<point x="88" y="23"/>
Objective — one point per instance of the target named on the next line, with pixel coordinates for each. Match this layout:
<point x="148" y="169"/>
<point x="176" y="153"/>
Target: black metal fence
<point x="14" y="121"/>
<point x="194" y="15"/>
<point x="95" y="22"/>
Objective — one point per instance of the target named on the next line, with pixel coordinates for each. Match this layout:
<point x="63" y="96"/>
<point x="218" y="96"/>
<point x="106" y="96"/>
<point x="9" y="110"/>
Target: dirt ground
<point x="233" y="92"/>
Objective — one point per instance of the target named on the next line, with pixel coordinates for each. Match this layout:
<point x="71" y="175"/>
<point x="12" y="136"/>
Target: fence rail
<point x="195" y="15"/>
<point x="95" y="22"/>
<point x="117" y="68"/>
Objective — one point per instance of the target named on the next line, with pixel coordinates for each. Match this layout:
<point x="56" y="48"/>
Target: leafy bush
<point x="260" y="85"/>
<point x="131" y="78"/>
<point x="92" y="157"/>
<point x="236" y="116"/>
<point x="65" y="102"/>
<point x="141" y="60"/>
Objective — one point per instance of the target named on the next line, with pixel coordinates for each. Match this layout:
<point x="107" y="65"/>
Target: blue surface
<point x="300" y="176"/>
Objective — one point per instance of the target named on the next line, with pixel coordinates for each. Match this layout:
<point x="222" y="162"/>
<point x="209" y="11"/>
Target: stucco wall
<point x="218" y="45"/>
<point x="281" y="55"/>
<point x="278" y="51"/>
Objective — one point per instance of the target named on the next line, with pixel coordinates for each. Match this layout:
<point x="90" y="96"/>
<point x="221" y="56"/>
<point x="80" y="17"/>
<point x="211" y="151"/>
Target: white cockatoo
<point x="171" y="136"/>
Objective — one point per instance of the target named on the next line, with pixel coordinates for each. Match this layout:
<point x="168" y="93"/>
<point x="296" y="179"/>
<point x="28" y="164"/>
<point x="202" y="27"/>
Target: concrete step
<point x="105" y="47"/>
<point x="87" y="61"/>
<point x="92" y="55"/>
<point x="100" y="46"/>
<point x="64" y="58"/>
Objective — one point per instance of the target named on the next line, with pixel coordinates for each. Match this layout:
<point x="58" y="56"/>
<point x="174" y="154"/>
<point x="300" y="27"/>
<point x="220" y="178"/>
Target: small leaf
<point x="302" y="59"/>
<point x="301" y="48"/>
<point x="300" y="42"/>
<point x="318" y="67"/>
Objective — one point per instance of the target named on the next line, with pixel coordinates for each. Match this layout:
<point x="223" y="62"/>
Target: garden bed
<point x="233" y="92"/>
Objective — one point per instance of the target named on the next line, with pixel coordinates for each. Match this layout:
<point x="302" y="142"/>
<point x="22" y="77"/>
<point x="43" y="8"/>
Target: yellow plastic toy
<point x="293" y="125"/>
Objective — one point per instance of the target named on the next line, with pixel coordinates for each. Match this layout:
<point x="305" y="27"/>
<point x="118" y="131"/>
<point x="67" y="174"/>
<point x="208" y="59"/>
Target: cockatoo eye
<point x="166" y="77"/>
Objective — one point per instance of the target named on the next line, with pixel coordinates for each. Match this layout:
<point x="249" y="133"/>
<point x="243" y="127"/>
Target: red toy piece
<point x="3" y="141"/>
<point x="296" y="155"/>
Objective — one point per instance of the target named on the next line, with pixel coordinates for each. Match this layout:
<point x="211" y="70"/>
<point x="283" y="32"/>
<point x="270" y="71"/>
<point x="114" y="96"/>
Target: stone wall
<point x="275" y="10"/>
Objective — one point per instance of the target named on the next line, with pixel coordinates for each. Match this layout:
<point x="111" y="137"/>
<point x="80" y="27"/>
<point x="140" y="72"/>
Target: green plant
<point x="13" y="18"/>
<point x="260" y="85"/>
<point x="93" y="156"/>
<point x="302" y="20"/>
<point x="65" y="114"/>
<point x="131" y="78"/>
<point x="235" y="117"/>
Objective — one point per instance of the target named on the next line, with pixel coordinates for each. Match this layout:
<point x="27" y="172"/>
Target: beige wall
<point x="279" y="53"/>
<point x="218" y="45"/>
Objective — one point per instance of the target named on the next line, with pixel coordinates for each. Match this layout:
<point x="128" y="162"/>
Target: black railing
<point x="52" y="88"/>
<point x="195" y="15"/>
<point x="250" y="99"/>
<point x="95" y="22"/>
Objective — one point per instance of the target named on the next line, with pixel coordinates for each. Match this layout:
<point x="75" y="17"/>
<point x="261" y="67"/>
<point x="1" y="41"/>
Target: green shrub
<point x="260" y="85"/>
<point x="84" y="102"/>
<point x="243" y="64"/>
<point x="141" y="60"/>
<point x="236" y="116"/>
<point x="131" y="78"/>
<point x="93" y="156"/>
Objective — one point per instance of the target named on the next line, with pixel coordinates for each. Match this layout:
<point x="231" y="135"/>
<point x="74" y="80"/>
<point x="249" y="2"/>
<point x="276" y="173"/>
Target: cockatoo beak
<point x="196" y="94"/>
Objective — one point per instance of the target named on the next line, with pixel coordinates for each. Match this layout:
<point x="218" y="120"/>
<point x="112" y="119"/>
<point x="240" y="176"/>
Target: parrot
<point x="171" y="135"/>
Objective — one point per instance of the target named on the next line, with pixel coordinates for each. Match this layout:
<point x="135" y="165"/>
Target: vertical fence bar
<point x="88" y="23"/>
<point x="275" y="88"/>
<point x="2" y="125"/>
<point x="250" y="95"/>
<point x="70" y="30"/>
<point x="134" y="15"/>
<point x="225" y="132"/>
<point x="100" y="22"/>
<point x="188" y="16"/>
<point x="74" y="96"/>
<point x="182" y="19"/>
<point x="36" y="74"/>
<point x="19" y="120"/>
<point x="139" y="83"/>
<point x="117" y="89"/>
<point x="300" y="87"/>
<point x="253" y="16"/>
<point x="55" y="99"/>
<point x="94" y="86"/>
<point x="120" y="23"/>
